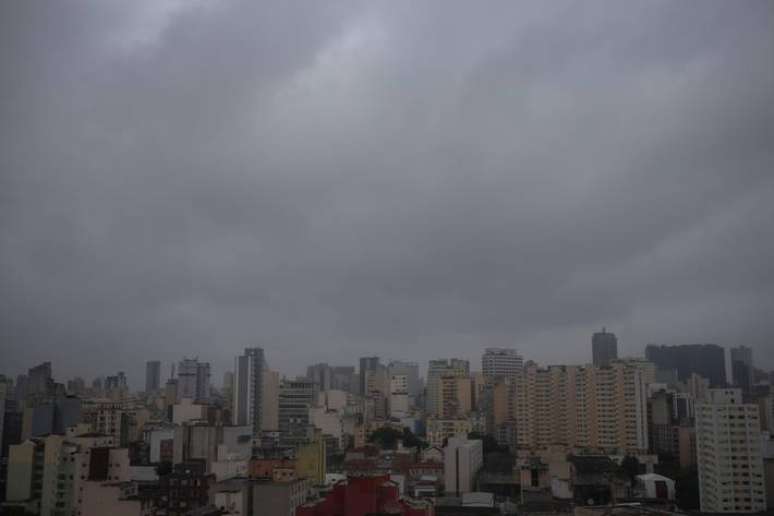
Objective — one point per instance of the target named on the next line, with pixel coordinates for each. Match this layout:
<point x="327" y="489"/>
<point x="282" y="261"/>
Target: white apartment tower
<point x="462" y="458"/>
<point x="399" y="402"/>
<point x="248" y="389"/>
<point x="502" y="363"/>
<point x="728" y="451"/>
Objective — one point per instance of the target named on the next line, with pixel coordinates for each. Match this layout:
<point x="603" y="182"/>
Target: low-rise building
<point x="462" y="459"/>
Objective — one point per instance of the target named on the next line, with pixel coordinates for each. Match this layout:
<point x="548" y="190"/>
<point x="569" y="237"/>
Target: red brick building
<point x="359" y="496"/>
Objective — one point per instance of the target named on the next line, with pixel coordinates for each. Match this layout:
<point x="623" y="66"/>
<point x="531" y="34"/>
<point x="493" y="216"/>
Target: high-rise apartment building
<point x="707" y="360"/>
<point x="193" y="380"/>
<point x="436" y="369"/>
<point x="501" y="363"/>
<point x="366" y="364"/>
<point x="454" y="396"/>
<point x="742" y="368"/>
<point x="152" y="376"/>
<point x="591" y="407"/>
<point x="604" y="348"/>
<point x="728" y="449"/>
<point x="249" y="369"/>
<point x="399" y="398"/>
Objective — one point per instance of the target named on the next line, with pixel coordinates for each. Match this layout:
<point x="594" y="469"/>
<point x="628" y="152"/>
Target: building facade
<point x="501" y="362"/>
<point x="728" y="449"/>
<point x="604" y="348"/>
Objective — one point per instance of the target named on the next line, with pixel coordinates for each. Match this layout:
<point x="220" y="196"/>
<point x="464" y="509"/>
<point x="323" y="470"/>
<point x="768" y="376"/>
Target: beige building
<point x="581" y="406"/>
<point x="728" y="451"/>
<point x="437" y="369"/>
<point x="454" y="396"/>
<point x="439" y="430"/>
<point x="270" y="404"/>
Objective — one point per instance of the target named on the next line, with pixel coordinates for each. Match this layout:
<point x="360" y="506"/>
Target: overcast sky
<point x="409" y="179"/>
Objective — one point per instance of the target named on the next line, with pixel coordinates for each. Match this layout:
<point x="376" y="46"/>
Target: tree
<point x="386" y="438"/>
<point x="410" y="440"/>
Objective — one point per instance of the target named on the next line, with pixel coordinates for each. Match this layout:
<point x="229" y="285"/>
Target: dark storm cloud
<point x="413" y="180"/>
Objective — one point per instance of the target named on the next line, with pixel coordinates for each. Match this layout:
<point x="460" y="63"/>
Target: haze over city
<point x="412" y="180"/>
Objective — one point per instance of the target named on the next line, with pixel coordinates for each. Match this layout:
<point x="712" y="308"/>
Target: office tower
<point x="344" y="378"/>
<point x="366" y="364"/>
<point x="742" y="368"/>
<point x="577" y="406"/>
<point x="321" y="374"/>
<point x="152" y="376"/>
<point x="462" y="458"/>
<point x="604" y="348"/>
<point x="40" y="383"/>
<point x="115" y="386"/>
<point x="193" y="380"/>
<point x="728" y="448"/>
<point x="707" y="360"/>
<point x="20" y="388"/>
<point x="411" y="371"/>
<point x="501" y="362"/>
<point x="436" y="369"/>
<point x="249" y="370"/>
<point x="296" y="397"/>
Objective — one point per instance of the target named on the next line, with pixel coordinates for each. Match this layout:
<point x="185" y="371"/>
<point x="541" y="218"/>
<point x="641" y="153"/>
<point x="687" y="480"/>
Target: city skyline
<point x="168" y="369"/>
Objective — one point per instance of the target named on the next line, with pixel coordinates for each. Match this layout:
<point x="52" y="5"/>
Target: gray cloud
<point x="335" y="179"/>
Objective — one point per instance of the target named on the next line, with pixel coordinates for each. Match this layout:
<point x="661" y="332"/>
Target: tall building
<point x="247" y="392"/>
<point x="296" y="397"/>
<point x="270" y="402"/>
<point x="454" y="398"/>
<point x="462" y="458"/>
<point x="435" y="370"/>
<point x="411" y="371"/>
<point x="321" y="374"/>
<point x="589" y="407"/>
<point x="399" y="404"/>
<point x="501" y="363"/>
<point x="604" y="348"/>
<point x="152" y="376"/>
<point x="366" y="364"/>
<point x="343" y="378"/>
<point x="193" y="380"/>
<point x="707" y="360"/>
<point x="728" y="448"/>
<point x="39" y="382"/>
<point x="742" y="368"/>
